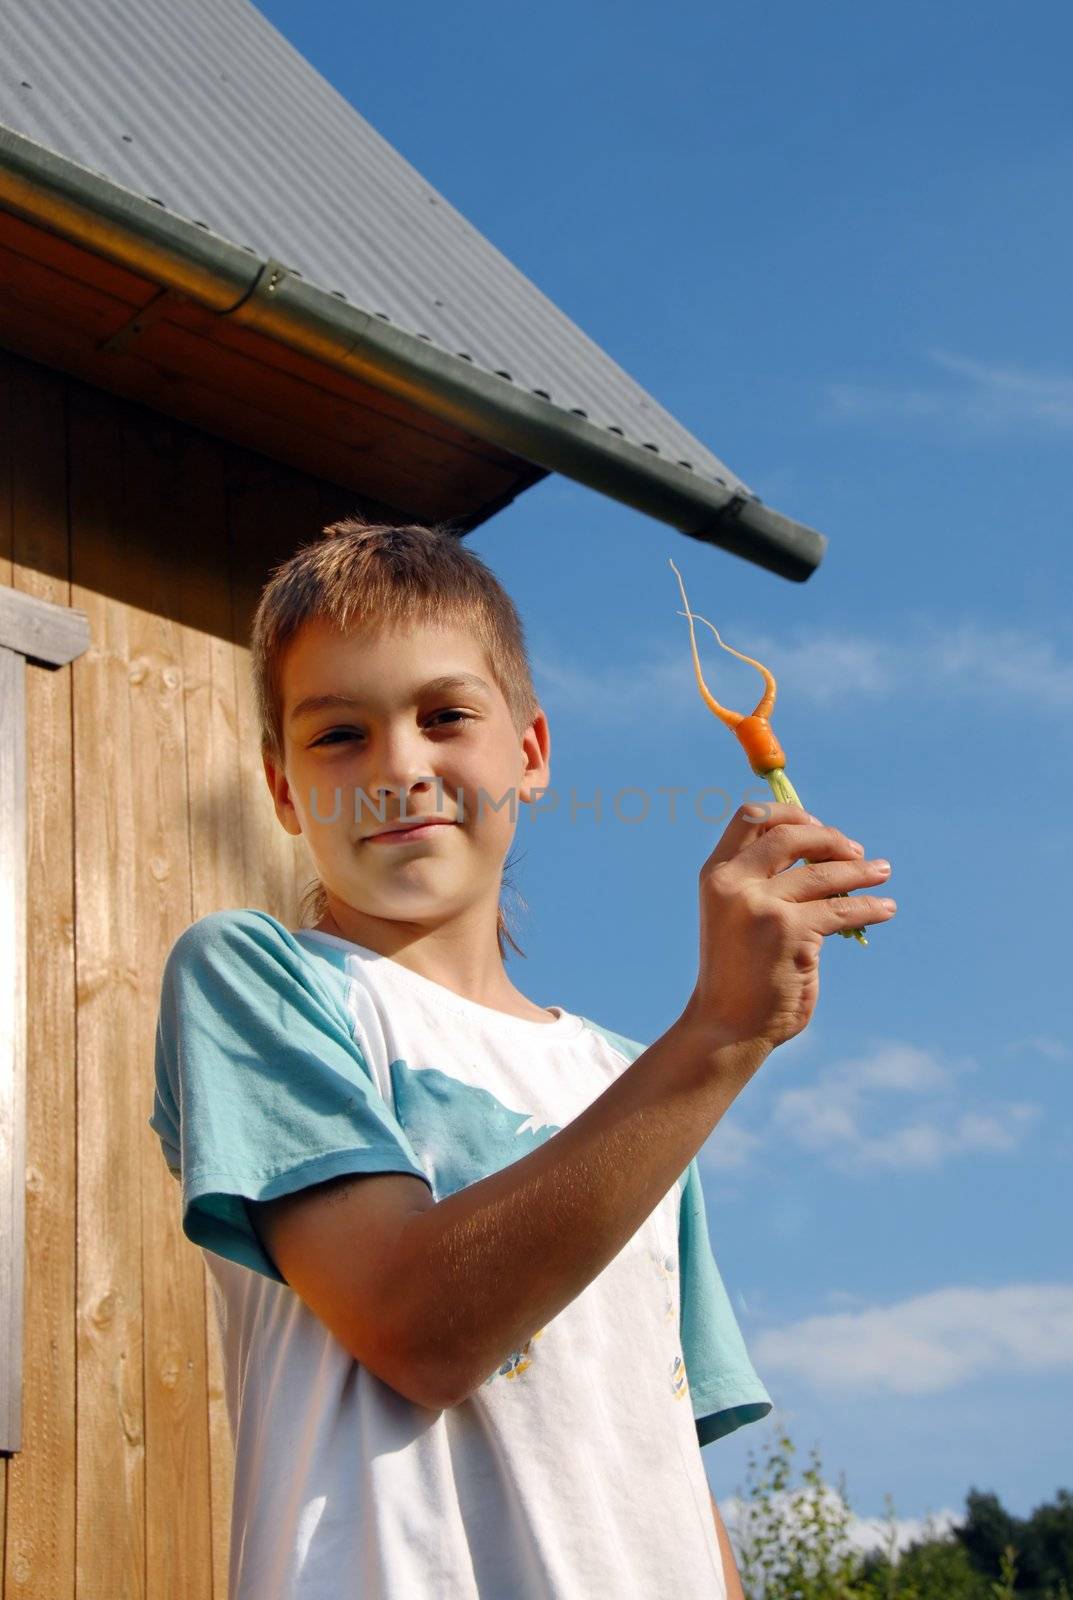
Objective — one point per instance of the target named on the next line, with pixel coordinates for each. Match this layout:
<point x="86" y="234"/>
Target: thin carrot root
<point x="730" y="718"/>
<point x="766" y="705"/>
<point x="754" y="732"/>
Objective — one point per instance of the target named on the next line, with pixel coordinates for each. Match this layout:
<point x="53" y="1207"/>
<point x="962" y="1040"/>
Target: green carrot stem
<point x="784" y="791"/>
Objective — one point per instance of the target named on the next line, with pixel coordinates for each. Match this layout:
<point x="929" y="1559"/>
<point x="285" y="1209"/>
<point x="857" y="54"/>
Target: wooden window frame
<point x="49" y="636"/>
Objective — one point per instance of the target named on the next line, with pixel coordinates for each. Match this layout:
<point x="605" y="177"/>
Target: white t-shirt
<point x="286" y="1058"/>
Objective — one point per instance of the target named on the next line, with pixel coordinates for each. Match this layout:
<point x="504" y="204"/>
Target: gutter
<point x="188" y="259"/>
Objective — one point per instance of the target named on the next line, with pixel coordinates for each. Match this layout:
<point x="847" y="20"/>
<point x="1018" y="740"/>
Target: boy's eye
<point x="335" y="734"/>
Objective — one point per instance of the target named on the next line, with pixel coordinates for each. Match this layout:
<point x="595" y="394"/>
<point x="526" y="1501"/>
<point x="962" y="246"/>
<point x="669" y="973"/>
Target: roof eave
<point x="265" y="295"/>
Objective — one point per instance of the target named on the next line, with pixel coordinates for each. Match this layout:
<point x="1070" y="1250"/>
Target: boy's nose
<point x="410" y="793"/>
<point x="403" y="763"/>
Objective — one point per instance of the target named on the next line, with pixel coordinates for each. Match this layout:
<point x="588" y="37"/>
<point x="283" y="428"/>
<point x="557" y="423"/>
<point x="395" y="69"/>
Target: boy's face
<point x="350" y="770"/>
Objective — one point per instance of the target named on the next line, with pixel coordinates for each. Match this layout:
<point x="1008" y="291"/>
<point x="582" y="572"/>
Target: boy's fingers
<point x="818" y="880"/>
<point x="750" y="822"/>
<point x="854" y="911"/>
<point x="753" y="821"/>
<point x="762" y="813"/>
<point x="778" y="847"/>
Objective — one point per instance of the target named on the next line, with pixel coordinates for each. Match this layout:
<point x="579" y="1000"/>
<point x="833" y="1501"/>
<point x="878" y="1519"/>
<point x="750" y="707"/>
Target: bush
<point x="792" y="1542"/>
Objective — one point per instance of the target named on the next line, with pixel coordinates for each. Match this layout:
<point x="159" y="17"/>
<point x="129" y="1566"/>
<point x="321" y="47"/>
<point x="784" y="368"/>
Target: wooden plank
<point x="110" y="1547"/>
<point x="52" y="634"/>
<point x="270" y="513"/>
<point x="178" y="1522"/>
<point x="410" y="433"/>
<point x="25" y="238"/>
<point x="12" y="1038"/>
<point x="31" y="288"/>
<point x="40" y="1554"/>
<point x="203" y="608"/>
<point x="334" y="419"/>
<point x="336" y="404"/>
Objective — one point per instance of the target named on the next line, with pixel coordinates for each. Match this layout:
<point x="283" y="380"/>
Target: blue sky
<point x="836" y="242"/>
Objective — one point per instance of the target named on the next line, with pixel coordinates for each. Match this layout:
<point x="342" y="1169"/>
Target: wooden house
<point x="229" y="312"/>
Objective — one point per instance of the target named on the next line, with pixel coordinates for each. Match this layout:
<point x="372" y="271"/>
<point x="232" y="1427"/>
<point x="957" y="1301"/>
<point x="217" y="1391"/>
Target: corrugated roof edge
<point x="235" y="282"/>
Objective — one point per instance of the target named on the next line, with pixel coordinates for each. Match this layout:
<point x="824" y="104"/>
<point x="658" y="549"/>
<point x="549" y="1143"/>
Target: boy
<point x="473" y="1330"/>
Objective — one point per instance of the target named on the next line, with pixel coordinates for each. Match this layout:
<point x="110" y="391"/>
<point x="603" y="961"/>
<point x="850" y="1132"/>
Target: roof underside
<point x="205" y="108"/>
<point x="191" y="216"/>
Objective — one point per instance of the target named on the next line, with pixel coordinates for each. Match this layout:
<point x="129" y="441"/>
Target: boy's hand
<point x="763" y="922"/>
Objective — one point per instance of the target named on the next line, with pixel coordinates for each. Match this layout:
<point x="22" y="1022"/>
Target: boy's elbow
<point x="417" y="1358"/>
<point x="424" y="1373"/>
<point x="425" y="1386"/>
<point x="439" y="1385"/>
<point x="432" y="1396"/>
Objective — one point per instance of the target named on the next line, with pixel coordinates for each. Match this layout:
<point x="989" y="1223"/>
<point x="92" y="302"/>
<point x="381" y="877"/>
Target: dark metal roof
<point x="202" y="107"/>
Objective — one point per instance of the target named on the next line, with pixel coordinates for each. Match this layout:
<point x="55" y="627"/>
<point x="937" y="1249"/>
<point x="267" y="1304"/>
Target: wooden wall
<point x="147" y="808"/>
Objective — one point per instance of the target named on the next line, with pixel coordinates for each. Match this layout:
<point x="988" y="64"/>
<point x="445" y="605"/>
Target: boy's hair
<point x="364" y="575"/>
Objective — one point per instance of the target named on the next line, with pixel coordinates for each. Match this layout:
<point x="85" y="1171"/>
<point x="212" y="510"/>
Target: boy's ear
<point x="281" y="794"/>
<point x="536" y="752"/>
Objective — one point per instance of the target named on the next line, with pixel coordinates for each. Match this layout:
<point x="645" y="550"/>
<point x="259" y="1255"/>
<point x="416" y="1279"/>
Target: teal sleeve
<point x="261" y="1087"/>
<point x="725" y="1389"/>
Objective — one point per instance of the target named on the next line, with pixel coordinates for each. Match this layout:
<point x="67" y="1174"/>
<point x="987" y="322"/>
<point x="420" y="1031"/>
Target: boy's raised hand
<point x="763" y="921"/>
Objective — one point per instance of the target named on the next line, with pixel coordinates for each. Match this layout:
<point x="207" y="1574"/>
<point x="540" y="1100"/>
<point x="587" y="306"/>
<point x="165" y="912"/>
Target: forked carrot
<point x="754" y="732"/>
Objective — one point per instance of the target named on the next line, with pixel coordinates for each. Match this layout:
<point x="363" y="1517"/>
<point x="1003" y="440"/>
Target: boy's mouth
<point x="399" y="834"/>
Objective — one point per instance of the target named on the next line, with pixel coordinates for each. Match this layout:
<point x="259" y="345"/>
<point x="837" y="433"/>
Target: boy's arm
<point x="482" y="1270"/>
<point x="479" y="1272"/>
<point x="730" y="1566"/>
<point x="434" y="1295"/>
<point x="431" y="1296"/>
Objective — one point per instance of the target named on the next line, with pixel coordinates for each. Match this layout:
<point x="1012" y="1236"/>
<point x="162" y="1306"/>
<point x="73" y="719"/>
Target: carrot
<point x="753" y="732"/>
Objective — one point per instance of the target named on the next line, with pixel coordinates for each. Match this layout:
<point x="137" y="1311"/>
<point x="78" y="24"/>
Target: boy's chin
<point x="411" y="908"/>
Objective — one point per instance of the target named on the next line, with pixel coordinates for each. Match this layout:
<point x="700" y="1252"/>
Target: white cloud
<point x="893" y="1108"/>
<point x="825" y="667"/>
<point x="1008" y="662"/>
<point x="843" y="1298"/>
<point x="958" y="656"/>
<point x="1043" y="1044"/>
<point x="873" y="1533"/>
<point x="819" y="665"/>
<point x="929" y="1343"/>
<point x="847" y="1119"/>
<point x="560" y="683"/>
<point x="903" y="1068"/>
<point x="729" y="1148"/>
<point x="974" y="397"/>
<point x="663" y="680"/>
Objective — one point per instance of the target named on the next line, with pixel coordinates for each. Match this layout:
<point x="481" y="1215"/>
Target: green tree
<point x="935" y="1567"/>
<point x="1046" y="1551"/>
<point x="1041" y="1563"/>
<point x="987" y="1532"/>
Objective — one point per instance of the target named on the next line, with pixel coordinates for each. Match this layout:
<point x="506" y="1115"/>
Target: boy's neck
<point x="454" y="961"/>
